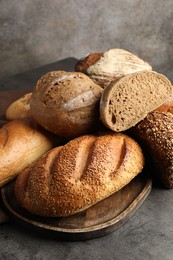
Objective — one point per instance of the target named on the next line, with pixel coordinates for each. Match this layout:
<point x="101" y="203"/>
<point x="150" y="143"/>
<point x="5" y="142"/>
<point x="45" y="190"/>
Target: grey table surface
<point x="147" y="235"/>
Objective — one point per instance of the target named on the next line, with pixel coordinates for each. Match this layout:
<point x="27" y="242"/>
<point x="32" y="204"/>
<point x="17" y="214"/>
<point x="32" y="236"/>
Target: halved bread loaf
<point x="73" y="177"/>
<point x="126" y="102"/>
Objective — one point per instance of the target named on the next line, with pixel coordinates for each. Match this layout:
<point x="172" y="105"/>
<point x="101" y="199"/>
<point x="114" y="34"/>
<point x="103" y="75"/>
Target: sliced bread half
<point x="127" y="101"/>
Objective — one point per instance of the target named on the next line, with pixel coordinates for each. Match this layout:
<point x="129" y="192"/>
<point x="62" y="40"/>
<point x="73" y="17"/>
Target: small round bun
<point x="66" y="103"/>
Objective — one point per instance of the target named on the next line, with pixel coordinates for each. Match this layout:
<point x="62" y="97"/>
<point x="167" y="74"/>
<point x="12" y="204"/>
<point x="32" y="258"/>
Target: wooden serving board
<point x="101" y="219"/>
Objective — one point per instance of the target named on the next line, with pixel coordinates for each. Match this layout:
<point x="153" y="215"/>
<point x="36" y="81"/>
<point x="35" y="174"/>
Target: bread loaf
<point x="111" y="65"/>
<point x="155" y="133"/>
<point x="167" y="106"/>
<point x="73" y="177"/>
<point x="126" y="102"/>
<point x="20" y="108"/>
<point x="21" y="144"/>
<point x="66" y="103"/>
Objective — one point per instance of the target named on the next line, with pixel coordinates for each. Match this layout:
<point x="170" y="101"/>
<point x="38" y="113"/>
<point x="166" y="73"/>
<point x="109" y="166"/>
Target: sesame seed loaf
<point x="110" y="65"/>
<point x="73" y="177"/>
<point x="126" y="102"/>
<point x="155" y="133"/>
<point x="66" y="103"/>
<point x="21" y="144"/>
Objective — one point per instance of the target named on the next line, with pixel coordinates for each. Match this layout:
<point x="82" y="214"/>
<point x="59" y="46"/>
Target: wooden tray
<point x="101" y="219"/>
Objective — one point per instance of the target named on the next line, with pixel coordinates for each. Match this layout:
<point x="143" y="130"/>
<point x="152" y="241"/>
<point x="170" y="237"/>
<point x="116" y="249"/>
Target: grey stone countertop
<point x="147" y="235"/>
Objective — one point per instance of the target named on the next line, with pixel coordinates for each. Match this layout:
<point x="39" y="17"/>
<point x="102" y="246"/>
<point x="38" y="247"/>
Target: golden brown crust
<point x="19" y="108"/>
<point x="73" y="177"/>
<point x="21" y="144"/>
<point x="66" y="103"/>
<point x="156" y="134"/>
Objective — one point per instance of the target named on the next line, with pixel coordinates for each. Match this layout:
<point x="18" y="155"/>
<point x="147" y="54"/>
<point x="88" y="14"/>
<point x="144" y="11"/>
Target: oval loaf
<point x="21" y="144"/>
<point x="111" y="65"/>
<point x="73" y="177"/>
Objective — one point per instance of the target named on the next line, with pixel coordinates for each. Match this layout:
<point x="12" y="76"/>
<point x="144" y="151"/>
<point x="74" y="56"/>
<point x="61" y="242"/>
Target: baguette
<point x="21" y="144"/>
<point x="73" y="177"/>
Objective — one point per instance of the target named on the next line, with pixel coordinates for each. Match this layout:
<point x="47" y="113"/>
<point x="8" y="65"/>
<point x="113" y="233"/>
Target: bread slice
<point x="126" y="102"/>
<point x="73" y="177"/>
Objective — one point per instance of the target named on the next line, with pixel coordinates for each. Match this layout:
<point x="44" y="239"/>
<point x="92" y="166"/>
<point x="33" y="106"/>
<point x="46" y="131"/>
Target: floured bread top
<point x="118" y="61"/>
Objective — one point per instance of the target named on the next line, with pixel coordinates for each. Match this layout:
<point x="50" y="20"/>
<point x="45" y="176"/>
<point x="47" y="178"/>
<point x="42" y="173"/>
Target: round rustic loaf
<point x="110" y="65"/>
<point x="66" y="103"/>
<point x="73" y="177"/>
<point x="127" y="101"/>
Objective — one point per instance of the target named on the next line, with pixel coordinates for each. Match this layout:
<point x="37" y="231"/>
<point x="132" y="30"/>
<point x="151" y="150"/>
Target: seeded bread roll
<point x="21" y="144"/>
<point x="111" y="65"/>
<point x="20" y="108"/>
<point x="155" y="133"/>
<point x="126" y="102"/>
<point x="73" y="177"/>
<point x="66" y="103"/>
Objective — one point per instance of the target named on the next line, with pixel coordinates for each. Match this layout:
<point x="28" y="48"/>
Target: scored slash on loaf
<point x="73" y="177"/>
<point x="110" y="65"/>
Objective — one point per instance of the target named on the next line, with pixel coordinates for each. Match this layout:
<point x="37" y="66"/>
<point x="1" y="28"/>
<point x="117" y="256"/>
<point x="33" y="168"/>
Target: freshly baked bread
<point x="20" y="108"/>
<point x="126" y="102"/>
<point x="84" y="63"/>
<point x="167" y="106"/>
<point x="21" y="144"/>
<point x="155" y="133"/>
<point x="73" y="177"/>
<point x="111" y="65"/>
<point x="66" y="103"/>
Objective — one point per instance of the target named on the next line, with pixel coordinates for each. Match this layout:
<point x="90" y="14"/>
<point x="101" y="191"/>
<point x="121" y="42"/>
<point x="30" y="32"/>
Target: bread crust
<point x="20" y="108"/>
<point x="155" y="134"/>
<point x="73" y="177"/>
<point x="66" y="103"/>
<point x="111" y="65"/>
<point x="21" y="144"/>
